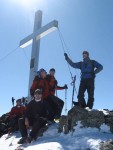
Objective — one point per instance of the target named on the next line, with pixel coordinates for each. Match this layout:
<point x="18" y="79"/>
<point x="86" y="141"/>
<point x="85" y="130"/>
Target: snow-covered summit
<point x="80" y="139"/>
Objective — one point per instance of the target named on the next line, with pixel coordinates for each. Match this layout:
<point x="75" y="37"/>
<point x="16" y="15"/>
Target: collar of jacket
<point x="86" y="59"/>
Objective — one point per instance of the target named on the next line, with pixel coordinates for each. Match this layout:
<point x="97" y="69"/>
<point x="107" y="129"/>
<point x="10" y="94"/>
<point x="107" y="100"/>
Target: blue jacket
<point x="88" y="67"/>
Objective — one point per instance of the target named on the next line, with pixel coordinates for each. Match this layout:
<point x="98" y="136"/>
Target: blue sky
<point x="84" y="24"/>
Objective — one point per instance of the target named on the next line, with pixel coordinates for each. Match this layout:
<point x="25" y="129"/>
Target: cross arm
<point x="39" y="33"/>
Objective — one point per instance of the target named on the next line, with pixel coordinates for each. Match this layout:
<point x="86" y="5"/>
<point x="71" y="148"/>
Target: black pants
<point x="86" y="84"/>
<point x="56" y="105"/>
<point x="36" y="125"/>
<point x="59" y="105"/>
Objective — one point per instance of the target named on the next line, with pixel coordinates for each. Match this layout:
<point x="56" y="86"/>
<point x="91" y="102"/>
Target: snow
<point x="80" y="139"/>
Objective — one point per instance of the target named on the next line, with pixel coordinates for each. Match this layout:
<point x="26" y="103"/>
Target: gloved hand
<point x="66" y="56"/>
<point x="65" y="86"/>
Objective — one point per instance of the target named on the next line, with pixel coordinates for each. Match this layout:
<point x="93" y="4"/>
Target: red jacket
<point x="53" y="84"/>
<point x="40" y="83"/>
<point x="17" y="112"/>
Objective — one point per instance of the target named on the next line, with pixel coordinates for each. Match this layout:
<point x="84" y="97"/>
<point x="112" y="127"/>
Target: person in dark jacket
<point x="37" y="114"/>
<point x="89" y="68"/>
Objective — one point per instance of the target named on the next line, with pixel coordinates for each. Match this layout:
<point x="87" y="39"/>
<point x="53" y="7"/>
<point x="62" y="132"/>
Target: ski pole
<point x="66" y="101"/>
<point x="73" y="83"/>
<point x="13" y="101"/>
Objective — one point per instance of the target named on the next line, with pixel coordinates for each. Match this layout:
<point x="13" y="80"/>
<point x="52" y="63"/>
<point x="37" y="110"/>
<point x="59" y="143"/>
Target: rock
<point x="108" y="145"/>
<point x="95" y="119"/>
<point x="63" y="124"/>
<point x="88" y="118"/>
<point x="109" y="120"/>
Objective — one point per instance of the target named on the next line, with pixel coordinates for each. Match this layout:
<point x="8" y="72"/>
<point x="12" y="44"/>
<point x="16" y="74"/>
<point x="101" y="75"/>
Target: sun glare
<point x="27" y="3"/>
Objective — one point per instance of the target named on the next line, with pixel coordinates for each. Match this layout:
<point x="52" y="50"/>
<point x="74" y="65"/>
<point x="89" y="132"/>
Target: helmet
<point x="41" y="70"/>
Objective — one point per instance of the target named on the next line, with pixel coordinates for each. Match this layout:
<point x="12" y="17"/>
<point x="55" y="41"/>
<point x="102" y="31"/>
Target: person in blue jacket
<point x="89" y="68"/>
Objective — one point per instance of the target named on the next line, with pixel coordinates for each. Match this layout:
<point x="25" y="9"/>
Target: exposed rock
<point x="109" y="120"/>
<point x="108" y="145"/>
<point x="88" y="118"/>
<point x="95" y="119"/>
<point x="63" y="125"/>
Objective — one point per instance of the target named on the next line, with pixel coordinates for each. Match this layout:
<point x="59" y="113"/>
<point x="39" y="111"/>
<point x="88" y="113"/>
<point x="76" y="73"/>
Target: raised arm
<point x="71" y="63"/>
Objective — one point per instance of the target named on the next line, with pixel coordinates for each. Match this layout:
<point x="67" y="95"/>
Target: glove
<point x="65" y="86"/>
<point x="66" y="56"/>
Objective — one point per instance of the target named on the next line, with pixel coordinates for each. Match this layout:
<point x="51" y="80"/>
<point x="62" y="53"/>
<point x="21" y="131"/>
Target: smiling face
<point x="38" y="95"/>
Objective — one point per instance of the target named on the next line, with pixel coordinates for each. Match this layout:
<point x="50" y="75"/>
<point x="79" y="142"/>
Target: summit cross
<point x="34" y="38"/>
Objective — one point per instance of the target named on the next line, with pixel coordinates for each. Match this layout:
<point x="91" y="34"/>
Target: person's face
<point x="52" y="73"/>
<point x="43" y="74"/>
<point x="85" y="55"/>
<point x="18" y="103"/>
<point x="38" y="96"/>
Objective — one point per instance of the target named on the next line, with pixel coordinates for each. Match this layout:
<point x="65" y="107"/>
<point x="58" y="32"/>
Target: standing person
<point x="36" y="116"/>
<point x="53" y="82"/>
<point x="40" y="82"/>
<point x="53" y="85"/>
<point x="89" y="68"/>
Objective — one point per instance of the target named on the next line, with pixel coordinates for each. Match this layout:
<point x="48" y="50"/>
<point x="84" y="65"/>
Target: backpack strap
<point x="92" y="65"/>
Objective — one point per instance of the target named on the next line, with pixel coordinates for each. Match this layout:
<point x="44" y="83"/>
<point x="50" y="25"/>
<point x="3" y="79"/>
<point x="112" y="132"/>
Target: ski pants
<point x="59" y="104"/>
<point x="36" y="124"/>
<point x="86" y="84"/>
<point x="56" y="105"/>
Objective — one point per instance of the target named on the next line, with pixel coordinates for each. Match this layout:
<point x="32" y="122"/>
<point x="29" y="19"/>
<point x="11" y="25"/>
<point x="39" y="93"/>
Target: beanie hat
<point x="41" y="70"/>
<point x="38" y="91"/>
<point x="52" y="69"/>
<point x="18" y="100"/>
<point x="86" y="52"/>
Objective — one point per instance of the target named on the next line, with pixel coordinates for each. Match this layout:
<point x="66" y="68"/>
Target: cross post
<point x="34" y="38"/>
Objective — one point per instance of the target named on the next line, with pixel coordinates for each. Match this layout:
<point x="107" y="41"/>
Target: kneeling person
<point x="36" y="116"/>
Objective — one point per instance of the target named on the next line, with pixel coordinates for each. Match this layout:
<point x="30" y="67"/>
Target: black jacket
<point x="38" y="109"/>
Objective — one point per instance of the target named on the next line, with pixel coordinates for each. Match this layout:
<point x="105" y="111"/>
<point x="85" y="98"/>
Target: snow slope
<point x="81" y="139"/>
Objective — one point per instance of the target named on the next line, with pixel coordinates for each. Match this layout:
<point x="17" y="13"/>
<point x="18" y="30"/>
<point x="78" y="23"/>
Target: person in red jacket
<point x="53" y="86"/>
<point x="16" y="112"/>
<point x="53" y="82"/>
<point x="40" y="82"/>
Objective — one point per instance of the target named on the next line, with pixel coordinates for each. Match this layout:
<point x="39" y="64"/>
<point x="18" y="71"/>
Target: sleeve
<point x="98" y="67"/>
<point x="12" y="113"/>
<point x="33" y="87"/>
<point x="27" y="112"/>
<point x="72" y="64"/>
<point x="60" y="87"/>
